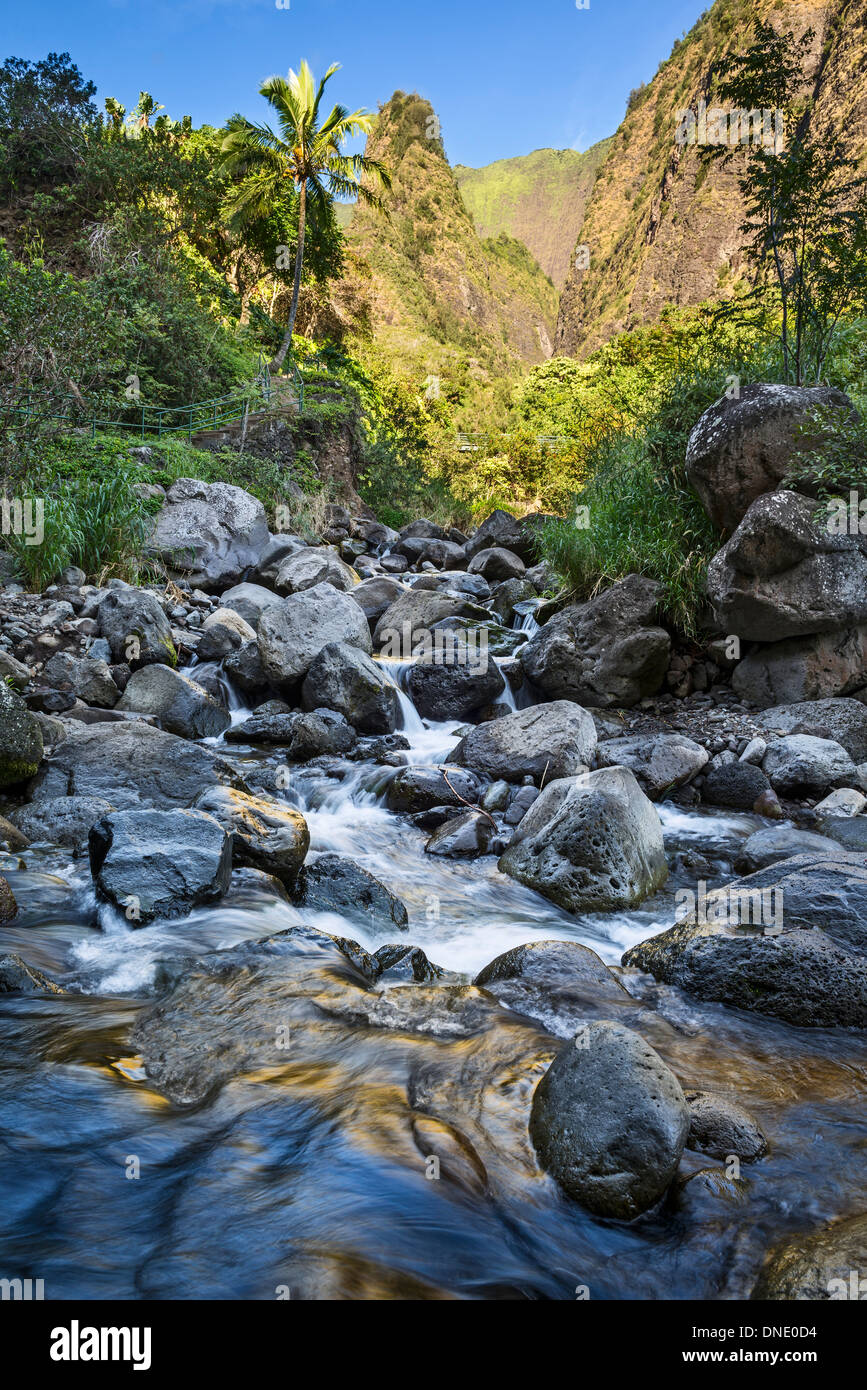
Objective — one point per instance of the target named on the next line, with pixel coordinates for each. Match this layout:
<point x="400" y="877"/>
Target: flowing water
<point x="309" y="1170"/>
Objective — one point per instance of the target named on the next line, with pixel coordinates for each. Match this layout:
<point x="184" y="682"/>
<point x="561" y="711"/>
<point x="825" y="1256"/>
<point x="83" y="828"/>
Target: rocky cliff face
<point x="436" y="290"/>
<point x="539" y="198"/>
<point x="661" y="227"/>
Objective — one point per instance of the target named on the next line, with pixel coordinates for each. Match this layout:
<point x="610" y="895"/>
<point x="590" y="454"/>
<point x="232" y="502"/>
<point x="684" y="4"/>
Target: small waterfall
<point x="211" y="673"/>
<point x="525" y="617"/>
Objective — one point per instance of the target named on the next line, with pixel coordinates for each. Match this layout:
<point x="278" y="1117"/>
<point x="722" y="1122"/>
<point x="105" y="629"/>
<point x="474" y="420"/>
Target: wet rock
<point x="405" y="964"/>
<point x="13" y="672"/>
<point x="160" y="863"/>
<point x="331" y="883"/>
<point x="307" y="568"/>
<point x="346" y="680"/>
<point x="454" y="684"/>
<point x="209" y="532"/>
<point x="464" y="837"/>
<point x="736" y="785"/>
<point x="244" y="668"/>
<point x="799" y="764"/>
<point x="844" y="721"/>
<point x="818" y="1266"/>
<point x="278" y="549"/>
<point x="560" y="983"/>
<point x="64" y="821"/>
<point x="743" y="448"/>
<point x="249" y="601"/>
<point x="789" y="941"/>
<point x="292" y="636"/>
<point x="722" y="1129"/>
<point x="415" y="614"/>
<point x="374" y="596"/>
<point x="87" y="679"/>
<point x="133" y="623"/>
<point x="546" y="741"/>
<point x="606" y="652"/>
<point x="21" y="747"/>
<point x="520" y="804"/>
<point x="845" y="803"/>
<point x="771" y="845"/>
<point x="703" y="1193"/>
<point x="181" y="706"/>
<point x="17" y="977"/>
<point x="458" y="1161"/>
<point x="266" y="835"/>
<point x="223" y="631"/>
<point x="826" y="665"/>
<point x="129" y="764"/>
<point x="591" y="843"/>
<point x="419" y="788"/>
<point x="609" y="1121"/>
<point x="419" y="550"/>
<point x="10" y="835"/>
<point x="660" y="762"/>
<point x="497" y="564"/>
<point x="508" y="593"/>
<point x="8" y="905"/>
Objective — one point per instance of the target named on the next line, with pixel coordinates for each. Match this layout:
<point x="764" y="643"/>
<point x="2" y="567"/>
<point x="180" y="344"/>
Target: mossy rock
<point x="21" y="748"/>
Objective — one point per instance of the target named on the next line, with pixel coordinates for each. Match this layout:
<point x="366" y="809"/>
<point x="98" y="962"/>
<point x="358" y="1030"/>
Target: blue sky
<point x="505" y="78"/>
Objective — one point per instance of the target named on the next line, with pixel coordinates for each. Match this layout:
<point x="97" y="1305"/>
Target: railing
<point x="467" y="442"/>
<point x="187" y="420"/>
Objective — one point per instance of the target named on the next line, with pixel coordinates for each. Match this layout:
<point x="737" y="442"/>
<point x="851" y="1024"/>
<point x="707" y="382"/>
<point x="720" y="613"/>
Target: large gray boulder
<point x="20" y="739"/>
<point x="159" y="863"/>
<point x="211" y="533"/>
<point x="845" y="721"/>
<point x="743" y="448"/>
<point x="591" y="843"/>
<point x="824" y="666"/>
<point x="89" y="680"/>
<point x="800" y="764"/>
<point x="331" y="883"/>
<point x="377" y="595"/>
<point x="824" y="1265"/>
<point x="545" y="741"/>
<point x="789" y="941"/>
<point x="249" y="601"/>
<point x="181" y="706"/>
<point x="419" y="788"/>
<point x="455" y="683"/>
<point x="661" y="762"/>
<point x="223" y="631"/>
<point x="266" y="834"/>
<point x="609" y="1121"/>
<point x="130" y="764"/>
<point x="316" y="565"/>
<point x="784" y="574"/>
<point x="64" y="820"/>
<point x="344" y="679"/>
<point x="292" y="635"/>
<point x="501" y="529"/>
<point x="497" y="564"/>
<point x="133" y="623"/>
<point x="560" y="983"/>
<point x="416" y="613"/>
<point x="719" y="1127"/>
<point x="607" y="651"/>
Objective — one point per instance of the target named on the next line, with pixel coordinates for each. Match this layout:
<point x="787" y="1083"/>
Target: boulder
<point x="344" y="679"/>
<point x="244" y="668"/>
<point x="609" y="1121"/>
<point x="454" y="683"/>
<point x="778" y="842"/>
<point x="823" y="666"/>
<point x="736" y="785"/>
<point x="17" y="977"/>
<point x="419" y="788"/>
<point x="591" y="843"/>
<point x="65" y="820"/>
<point x="800" y="764"/>
<point x="223" y="631"/>
<point x="560" y="983"/>
<point x="497" y="564"/>
<point x="463" y="837"/>
<point x="416" y="613"/>
<point x="159" y="863"/>
<point x="21" y="747"/>
<point x="278" y="549"/>
<point x="744" y="447"/>
<point x="546" y="741"/>
<point x="266" y="834"/>
<point x="784" y="574"/>
<point x="130" y="764"/>
<point x="842" y="720"/>
<point x="374" y="596"/>
<point x="501" y="529"/>
<point x="607" y="651"/>
<point x="722" y="1129"/>
<point x="660" y="762"/>
<point x="87" y="679"/>
<point x="824" y="1265"/>
<point x="292" y="635"/>
<point x="307" y="568"/>
<point x="212" y="533"/>
<point x="133" y="623"/>
<point x="249" y="601"/>
<point x="789" y="941"/>
<point x="400" y="964"/>
<point x="331" y="883"/>
<point x="181" y="706"/>
<point x="300" y="736"/>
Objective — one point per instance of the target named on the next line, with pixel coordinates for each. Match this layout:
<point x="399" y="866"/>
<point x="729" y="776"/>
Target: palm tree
<point x="303" y="150"/>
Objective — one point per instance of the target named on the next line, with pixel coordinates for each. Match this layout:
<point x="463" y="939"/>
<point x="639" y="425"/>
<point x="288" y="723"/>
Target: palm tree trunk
<point x="280" y="358"/>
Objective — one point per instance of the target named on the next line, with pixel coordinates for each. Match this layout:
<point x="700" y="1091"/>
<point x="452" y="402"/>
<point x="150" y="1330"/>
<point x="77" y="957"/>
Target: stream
<point x="306" y="1176"/>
